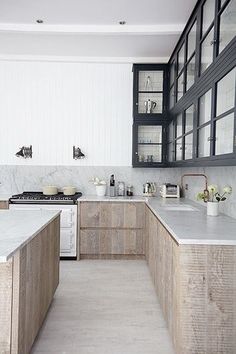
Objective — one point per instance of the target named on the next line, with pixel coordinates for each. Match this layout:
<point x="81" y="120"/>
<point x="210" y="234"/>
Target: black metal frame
<point x="222" y="63"/>
<point x="149" y="119"/>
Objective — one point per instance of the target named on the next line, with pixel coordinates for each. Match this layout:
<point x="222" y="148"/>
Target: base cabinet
<point x="28" y="282"/>
<point x="4" y="205"/>
<point x="113" y="242"/>
<point x="112" y="230"/>
<point x="196" y="288"/>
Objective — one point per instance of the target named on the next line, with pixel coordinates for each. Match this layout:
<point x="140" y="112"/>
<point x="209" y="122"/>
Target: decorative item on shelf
<point x="149" y="158"/>
<point x="25" y="152"/>
<point x="148" y="84"/>
<point x="150" y="106"/>
<point x="77" y="153"/>
<point x="141" y="158"/>
<point x="214" y="199"/>
<point x="100" y="185"/>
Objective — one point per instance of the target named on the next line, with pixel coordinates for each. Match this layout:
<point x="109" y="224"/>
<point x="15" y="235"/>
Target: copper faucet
<point x="205" y="191"/>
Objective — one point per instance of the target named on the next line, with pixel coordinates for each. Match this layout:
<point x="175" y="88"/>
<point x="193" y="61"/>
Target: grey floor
<point x="104" y="307"/>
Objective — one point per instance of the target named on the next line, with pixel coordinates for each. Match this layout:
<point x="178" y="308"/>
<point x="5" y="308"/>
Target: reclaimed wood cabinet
<point x="4" y="204"/>
<point x="28" y="282"/>
<point x="112" y="230"/>
<point x="195" y="285"/>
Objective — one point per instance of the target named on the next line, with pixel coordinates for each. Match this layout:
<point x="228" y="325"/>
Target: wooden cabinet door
<point x="152" y="240"/>
<point x="112" y="215"/>
<point x="3" y="205"/>
<point x="112" y="242"/>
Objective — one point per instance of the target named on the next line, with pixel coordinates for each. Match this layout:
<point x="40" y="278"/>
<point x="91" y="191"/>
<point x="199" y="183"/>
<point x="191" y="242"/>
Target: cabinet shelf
<point x="150" y="91"/>
<point x="149" y="143"/>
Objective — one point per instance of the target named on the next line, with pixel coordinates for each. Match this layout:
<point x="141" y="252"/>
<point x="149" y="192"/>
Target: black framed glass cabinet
<point x="150" y="114"/>
<point x="199" y="120"/>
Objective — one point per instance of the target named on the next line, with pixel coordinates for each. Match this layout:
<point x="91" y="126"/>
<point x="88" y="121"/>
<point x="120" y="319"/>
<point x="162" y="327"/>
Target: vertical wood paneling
<point x="54" y="106"/>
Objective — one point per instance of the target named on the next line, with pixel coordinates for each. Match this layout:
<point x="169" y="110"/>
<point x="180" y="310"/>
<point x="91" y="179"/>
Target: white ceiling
<point x="91" y="28"/>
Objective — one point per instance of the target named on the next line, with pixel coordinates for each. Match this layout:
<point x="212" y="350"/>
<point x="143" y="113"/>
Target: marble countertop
<point x="190" y="225"/>
<point x="5" y="197"/>
<point x="186" y="220"/>
<point x="18" y="227"/>
<point x="94" y="198"/>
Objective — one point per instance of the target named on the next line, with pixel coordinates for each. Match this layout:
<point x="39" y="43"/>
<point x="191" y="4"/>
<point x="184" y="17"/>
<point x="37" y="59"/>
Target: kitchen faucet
<point x="205" y="191"/>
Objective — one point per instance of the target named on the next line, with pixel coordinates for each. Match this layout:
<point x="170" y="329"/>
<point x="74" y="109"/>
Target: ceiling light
<point x="39" y="21"/>
<point x="122" y="23"/>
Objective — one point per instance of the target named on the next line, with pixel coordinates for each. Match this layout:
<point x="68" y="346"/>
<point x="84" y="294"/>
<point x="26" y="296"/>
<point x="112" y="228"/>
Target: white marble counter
<point x="94" y="198"/>
<point x="190" y="225"/>
<point x="5" y="197"/>
<point x="18" y="227"/>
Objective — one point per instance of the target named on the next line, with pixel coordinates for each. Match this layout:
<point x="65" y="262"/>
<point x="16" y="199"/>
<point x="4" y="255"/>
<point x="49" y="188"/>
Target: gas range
<point x="40" y="198"/>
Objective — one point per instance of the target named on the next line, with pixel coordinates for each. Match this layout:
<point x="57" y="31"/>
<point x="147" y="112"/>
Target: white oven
<point x="68" y="225"/>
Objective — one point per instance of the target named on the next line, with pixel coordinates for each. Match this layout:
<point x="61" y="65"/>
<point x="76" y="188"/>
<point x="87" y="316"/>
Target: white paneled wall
<point x="54" y="106"/>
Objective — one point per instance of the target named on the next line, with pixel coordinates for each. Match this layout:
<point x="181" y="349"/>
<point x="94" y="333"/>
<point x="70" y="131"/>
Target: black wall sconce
<point x="77" y="153"/>
<point x="25" y="152"/>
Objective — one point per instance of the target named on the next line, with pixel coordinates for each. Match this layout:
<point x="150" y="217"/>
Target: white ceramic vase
<point x="213" y="208"/>
<point x="101" y="190"/>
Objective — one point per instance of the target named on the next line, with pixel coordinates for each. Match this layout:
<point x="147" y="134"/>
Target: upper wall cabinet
<point x="207" y="41"/>
<point x="202" y="128"/>
<point x="149" y="114"/>
<point x="149" y="93"/>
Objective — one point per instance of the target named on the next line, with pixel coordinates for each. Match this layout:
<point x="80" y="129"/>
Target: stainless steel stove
<point x="40" y="198"/>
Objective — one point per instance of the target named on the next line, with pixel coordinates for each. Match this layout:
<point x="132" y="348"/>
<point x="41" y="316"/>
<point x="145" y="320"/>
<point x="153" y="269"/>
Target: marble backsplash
<point x="221" y="176"/>
<point x="16" y="179"/>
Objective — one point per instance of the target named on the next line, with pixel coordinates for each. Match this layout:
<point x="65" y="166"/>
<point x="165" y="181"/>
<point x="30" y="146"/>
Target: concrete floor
<point x="104" y="307"/>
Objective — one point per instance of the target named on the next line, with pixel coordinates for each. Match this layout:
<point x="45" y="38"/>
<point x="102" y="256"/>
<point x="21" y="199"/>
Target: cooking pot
<point x="69" y="190"/>
<point x="50" y="190"/>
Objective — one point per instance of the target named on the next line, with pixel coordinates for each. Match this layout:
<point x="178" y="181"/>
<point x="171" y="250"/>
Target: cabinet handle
<point x="210" y="138"/>
<point x="213" y="41"/>
<point x="136" y="103"/>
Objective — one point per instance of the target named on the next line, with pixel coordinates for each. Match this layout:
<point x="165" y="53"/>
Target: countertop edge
<point x="4" y="259"/>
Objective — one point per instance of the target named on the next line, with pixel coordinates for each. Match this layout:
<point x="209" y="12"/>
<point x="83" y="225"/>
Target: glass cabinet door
<point x="179" y="149"/>
<point x="149" y="144"/>
<point x="188" y="146"/>
<point x="224" y="140"/>
<point x="227" y="28"/>
<point x="191" y="41"/>
<point x="190" y="75"/>
<point x="150" y="92"/>
<point x="224" y="121"/>
<point x="208" y="13"/>
<point x="204" y="141"/>
<point x="181" y="58"/>
<point x="170" y="142"/>
<point x="204" y="125"/>
<point x="207" y="50"/>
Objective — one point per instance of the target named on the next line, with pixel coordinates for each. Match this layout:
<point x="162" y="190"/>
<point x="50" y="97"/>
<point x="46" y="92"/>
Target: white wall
<point x="54" y="106"/>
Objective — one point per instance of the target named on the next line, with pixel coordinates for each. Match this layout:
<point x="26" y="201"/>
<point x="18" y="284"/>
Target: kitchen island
<point x="29" y="275"/>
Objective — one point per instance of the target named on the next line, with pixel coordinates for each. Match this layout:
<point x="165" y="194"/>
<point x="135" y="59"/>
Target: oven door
<point x="68" y="225"/>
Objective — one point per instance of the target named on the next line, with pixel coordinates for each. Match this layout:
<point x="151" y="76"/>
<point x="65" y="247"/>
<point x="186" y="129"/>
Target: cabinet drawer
<point x="119" y="242"/>
<point x="113" y="215"/>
